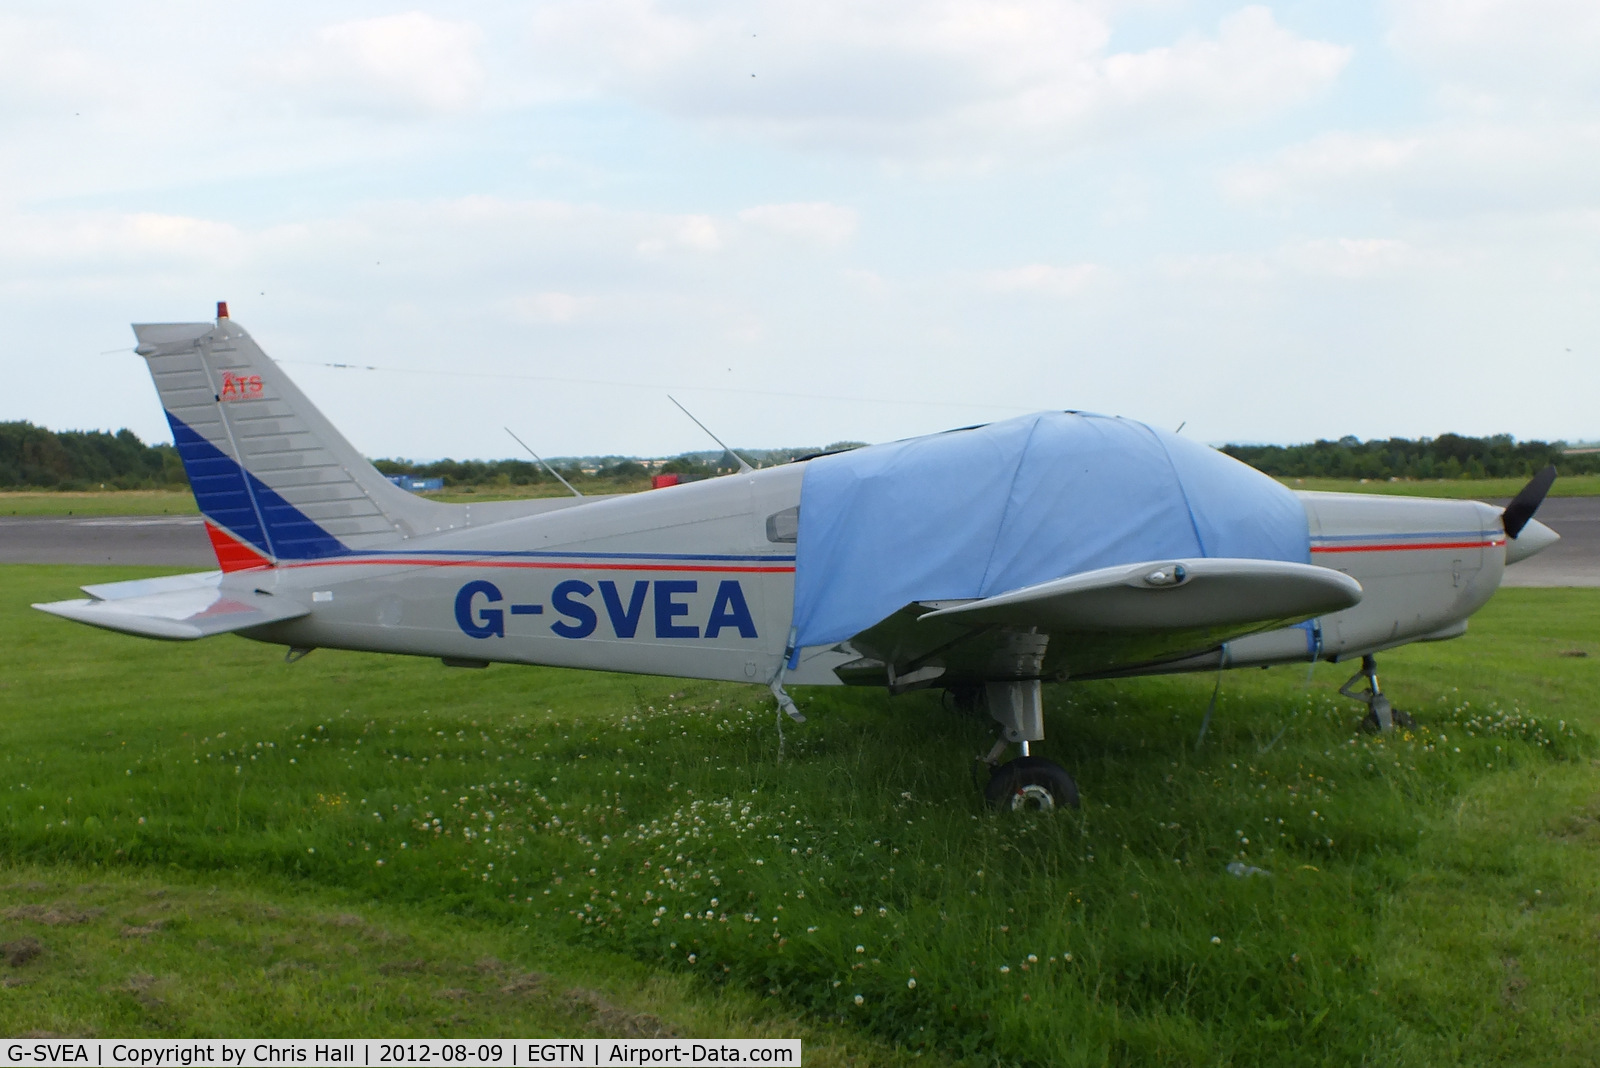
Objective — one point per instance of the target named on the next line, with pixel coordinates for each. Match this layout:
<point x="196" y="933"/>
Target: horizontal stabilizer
<point x="1166" y="595"/>
<point x="177" y="607"/>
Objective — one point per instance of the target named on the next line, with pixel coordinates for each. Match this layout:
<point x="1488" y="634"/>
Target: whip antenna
<point x="743" y="465"/>
<point x="542" y="464"/>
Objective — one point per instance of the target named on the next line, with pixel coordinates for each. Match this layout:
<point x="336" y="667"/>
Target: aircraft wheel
<point x="1031" y="783"/>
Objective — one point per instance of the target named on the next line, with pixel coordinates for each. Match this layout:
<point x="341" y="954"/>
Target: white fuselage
<point x="694" y="581"/>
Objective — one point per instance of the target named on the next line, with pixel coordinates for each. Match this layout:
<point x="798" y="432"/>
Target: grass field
<point x="107" y="502"/>
<point x="393" y="847"/>
<point x="165" y="502"/>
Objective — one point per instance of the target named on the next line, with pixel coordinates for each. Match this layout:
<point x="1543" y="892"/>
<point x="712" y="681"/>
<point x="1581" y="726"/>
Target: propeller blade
<point x="1527" y="501"/>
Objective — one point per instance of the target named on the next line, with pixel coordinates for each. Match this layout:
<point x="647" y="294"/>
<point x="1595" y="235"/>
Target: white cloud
<point x="1456" y="168"/>
<point x="1044" y="278"/>
<point x="1334" y="258"/>
<point x="549" y="308"/>
<point x="1352" y="258"/>
<point x="405" y="63"/>
<point x="692" y="233"/>
<point x="1329" y="159"/>
<point x="42" y="69"/>
<point x="923" y="79"/>
<point x="816" y="223"/>
<point x="1489" y="50"/>
<point x="104" y="237"/>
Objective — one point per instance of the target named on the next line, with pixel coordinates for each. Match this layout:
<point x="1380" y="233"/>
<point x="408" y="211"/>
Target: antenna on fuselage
<point x="743" y="464"/>
<point x="542" y="464"/>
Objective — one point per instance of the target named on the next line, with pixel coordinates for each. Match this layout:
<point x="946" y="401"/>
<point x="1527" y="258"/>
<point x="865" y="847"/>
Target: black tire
<point x="1031" y="783"/>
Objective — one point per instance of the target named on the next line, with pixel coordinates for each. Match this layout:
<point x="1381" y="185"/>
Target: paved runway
<point x="157" y="540"/>
<point x="1572" y="561"/>
<point x="180" y="541"/>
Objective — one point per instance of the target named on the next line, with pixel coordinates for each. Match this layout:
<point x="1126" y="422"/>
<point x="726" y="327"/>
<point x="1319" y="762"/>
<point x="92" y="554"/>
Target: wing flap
<point x="175" y="608"/>
<point x="1166" y="595"/>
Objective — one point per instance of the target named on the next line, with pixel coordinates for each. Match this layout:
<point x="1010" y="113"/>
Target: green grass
<point x="120" y="952"/>
<point x="493" y="492"/>
<point x="1434" y="896"/>
<point x="104" y="502"/>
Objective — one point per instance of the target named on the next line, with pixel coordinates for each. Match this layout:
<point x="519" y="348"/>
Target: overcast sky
<point x="816" y="220"/>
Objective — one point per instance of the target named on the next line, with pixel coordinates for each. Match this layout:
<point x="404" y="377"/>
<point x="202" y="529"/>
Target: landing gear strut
<point x="1028" y="782"/>
<point x="1381" y="715"/>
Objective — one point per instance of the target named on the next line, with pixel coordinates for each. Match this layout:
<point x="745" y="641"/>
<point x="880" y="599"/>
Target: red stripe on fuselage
<point x="1407" y="547"/>
<point x="543" y="565"/>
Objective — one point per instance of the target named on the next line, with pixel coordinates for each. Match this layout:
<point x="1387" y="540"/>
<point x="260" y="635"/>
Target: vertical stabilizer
<point x="273" y="478"/>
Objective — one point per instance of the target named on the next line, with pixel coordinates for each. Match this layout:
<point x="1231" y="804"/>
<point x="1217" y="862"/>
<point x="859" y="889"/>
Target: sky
<point x="812" y="222"/>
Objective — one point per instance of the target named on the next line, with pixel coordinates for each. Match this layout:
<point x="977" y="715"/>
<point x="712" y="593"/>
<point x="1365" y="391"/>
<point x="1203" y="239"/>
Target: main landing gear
<point x="1028" y="782"/>
<point x="1381" y="715"/>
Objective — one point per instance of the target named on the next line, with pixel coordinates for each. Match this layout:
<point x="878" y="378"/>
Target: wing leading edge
<point x="175" y="608"/>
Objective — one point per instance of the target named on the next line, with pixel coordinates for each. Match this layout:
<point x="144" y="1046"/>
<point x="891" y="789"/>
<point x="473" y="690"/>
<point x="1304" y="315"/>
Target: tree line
<point x="1448" y="456"/>
<point x="33" y="457"/>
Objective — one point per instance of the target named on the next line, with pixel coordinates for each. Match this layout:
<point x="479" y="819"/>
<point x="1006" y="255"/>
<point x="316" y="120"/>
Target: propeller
<point x="1527" y="501"/>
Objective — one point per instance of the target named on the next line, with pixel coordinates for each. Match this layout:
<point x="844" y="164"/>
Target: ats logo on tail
<point x="239" y="387"/>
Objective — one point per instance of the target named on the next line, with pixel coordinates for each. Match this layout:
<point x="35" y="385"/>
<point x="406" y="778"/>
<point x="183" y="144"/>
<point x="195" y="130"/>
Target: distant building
<point x="415" y="484"/>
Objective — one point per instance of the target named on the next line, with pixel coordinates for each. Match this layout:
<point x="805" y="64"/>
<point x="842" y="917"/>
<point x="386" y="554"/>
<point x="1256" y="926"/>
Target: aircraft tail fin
<point x="273" y="478"/>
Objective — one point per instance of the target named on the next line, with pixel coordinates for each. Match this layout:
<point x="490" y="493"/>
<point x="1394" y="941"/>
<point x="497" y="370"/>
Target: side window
<point x="784" y="526"/>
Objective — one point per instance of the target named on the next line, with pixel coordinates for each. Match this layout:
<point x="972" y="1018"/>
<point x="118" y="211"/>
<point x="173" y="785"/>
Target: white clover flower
<point x="1005" y="969"/>
<point x="861" y="949"/>
<point x="911" y="984"/>
<point x="860" y="999"/>
<point x="1216" y="941"/>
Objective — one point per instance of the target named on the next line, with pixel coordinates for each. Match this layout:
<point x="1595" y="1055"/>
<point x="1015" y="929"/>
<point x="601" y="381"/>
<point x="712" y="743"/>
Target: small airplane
<point x="984" y="561"/>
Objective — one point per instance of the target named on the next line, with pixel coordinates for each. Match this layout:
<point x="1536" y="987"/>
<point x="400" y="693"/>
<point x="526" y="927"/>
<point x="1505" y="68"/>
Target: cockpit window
<point x="784" y="526"/>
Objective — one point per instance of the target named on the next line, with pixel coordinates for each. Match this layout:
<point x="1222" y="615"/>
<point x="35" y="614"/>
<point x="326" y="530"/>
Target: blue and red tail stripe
<point x="246" y="516"/>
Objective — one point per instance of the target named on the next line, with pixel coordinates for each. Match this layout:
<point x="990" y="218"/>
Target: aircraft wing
<point x="177" y="607"/>
<point x="1100" y="622"/>
<point x="1167" y="595"/>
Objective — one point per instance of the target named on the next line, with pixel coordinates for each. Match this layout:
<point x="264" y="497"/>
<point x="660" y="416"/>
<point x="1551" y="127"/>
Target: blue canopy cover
<point x="974" y="513"/>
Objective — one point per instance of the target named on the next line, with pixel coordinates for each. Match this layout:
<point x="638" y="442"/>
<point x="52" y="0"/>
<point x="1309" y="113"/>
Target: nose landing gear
<point x="1028" y="783"/>
<point x="1381" y="715"/>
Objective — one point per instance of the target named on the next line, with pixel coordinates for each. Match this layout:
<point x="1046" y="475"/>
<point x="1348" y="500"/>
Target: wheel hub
<point x="1034" y="797"/>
